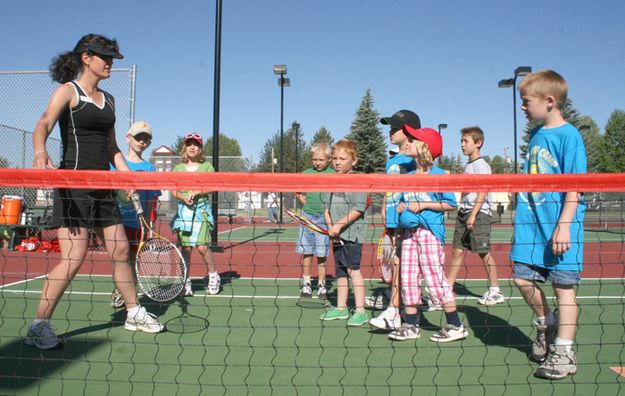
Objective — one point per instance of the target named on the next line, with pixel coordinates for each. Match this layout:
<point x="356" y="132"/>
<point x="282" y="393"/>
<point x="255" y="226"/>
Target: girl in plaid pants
<point x="422" y="254"/>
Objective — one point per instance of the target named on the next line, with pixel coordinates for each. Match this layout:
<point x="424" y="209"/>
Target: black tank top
<point x="85" y="132"/>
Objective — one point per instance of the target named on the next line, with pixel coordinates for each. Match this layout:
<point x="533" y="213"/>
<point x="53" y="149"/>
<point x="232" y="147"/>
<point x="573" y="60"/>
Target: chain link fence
<point x="229" y="202"/>
<point x="24" y="96"/>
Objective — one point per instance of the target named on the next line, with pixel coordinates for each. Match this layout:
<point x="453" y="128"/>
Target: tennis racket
<point x="161" y="269"/>
<point x="306" y="222"/>
<point x="385" y="257"/>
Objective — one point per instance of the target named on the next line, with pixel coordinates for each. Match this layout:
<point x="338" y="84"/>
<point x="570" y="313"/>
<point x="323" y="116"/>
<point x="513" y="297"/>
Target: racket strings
<point x="161" y="271"/>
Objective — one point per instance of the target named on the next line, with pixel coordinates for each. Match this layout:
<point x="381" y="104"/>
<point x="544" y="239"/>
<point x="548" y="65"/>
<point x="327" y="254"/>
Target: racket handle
<point x="136" y="202"/>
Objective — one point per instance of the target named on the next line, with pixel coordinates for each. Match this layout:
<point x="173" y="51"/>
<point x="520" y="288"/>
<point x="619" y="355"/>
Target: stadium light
<point x="511" y="82"/>
<point x="280" y="71"/>
<point x="441" y="127"/>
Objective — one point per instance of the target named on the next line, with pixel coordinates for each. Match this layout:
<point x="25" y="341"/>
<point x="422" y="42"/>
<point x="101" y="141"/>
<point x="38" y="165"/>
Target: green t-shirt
<point x="204" y="167"/>
<point x="314" y="200"/>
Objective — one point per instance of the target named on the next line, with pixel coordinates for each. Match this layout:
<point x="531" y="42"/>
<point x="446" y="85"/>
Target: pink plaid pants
<point x="422" y="258"/>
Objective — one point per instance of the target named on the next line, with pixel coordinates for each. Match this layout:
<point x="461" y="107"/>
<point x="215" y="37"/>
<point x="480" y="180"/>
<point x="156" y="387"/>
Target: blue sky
<point x="441" y="59"/>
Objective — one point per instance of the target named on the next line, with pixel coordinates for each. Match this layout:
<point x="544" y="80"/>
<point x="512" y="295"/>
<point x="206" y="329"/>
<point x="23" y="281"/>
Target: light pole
<point x="296" y="131"/>
<point x="280" y="70"/>
<point x="511" y="82"/>
<point x="441" y="127"/>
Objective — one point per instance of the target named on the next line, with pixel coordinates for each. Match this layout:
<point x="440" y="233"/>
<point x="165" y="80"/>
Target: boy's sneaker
<point x="378" y="300"/>
<point x="306" y="291"/>
<point x="491" y="298"/>
<point x="545" y="336"/>
<point x="358" y="319"/>
<point x="117" y="301"/>
<point x="188" y="289"/>
<point x="389" y="319"/>
<point x="558" y="364"/>
<point x="143" y="321"/>
<point x="427" y="305"/>
<point x="322" y="292"/>
<point x="42" y="336"/>
<point x="405" y="332"/>
<point x="214" y="284"/>
<point x="450" y="333"/>
<point x="335" y="314"/>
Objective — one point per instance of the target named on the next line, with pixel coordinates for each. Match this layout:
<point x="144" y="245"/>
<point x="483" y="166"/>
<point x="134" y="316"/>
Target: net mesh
<point x="258" y="335"/>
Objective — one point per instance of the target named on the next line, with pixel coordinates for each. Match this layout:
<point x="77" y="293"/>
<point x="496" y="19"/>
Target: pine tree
<point x="592" y="140"/>
<point x="322" y="135"/>
<point x="288" y="166"/>
<point x="612" y="152"/>
<point x="372" y="148"/>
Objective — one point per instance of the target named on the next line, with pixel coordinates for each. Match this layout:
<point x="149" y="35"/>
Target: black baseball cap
<point x="100" y="50"/>
<point x="402" y="117"/>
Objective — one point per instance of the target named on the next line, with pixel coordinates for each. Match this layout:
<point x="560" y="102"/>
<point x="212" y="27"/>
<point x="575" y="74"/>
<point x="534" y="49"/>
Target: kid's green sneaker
<point x="358" y="319"/>
<point x="334" y="314"/>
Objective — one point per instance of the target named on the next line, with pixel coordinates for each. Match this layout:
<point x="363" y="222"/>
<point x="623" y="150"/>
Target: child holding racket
<point x="345" y="215"/>
<point x="139" y="138"/>
<point x="86" y="117"/>
<point x="422" y="254"/>
<point x="193" y="222"/>
<point x="310" y="243"/>
<point x="549" y="226"/>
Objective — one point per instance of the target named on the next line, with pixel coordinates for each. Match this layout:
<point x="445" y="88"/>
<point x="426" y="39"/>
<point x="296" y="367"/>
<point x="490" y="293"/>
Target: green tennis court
<point x="258" y="337"/>
<point x="289" y="233"/>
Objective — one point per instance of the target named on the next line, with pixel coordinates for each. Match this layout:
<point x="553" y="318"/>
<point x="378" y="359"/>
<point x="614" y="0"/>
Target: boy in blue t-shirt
<point x="139" y="138"/>
<point x="548" y="226"/>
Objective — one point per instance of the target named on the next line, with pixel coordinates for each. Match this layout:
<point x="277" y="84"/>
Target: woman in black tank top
<point x="86" y="117"/>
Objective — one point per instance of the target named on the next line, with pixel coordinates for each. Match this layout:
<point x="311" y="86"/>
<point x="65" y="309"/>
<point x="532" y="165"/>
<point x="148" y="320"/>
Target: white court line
<point x="274" y="297"/>
<point x="22" y="281"/>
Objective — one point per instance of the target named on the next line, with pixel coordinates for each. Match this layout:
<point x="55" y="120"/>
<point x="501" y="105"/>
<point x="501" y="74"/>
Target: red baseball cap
<point x="429" y="136"/>
<point x="194" y="136"/>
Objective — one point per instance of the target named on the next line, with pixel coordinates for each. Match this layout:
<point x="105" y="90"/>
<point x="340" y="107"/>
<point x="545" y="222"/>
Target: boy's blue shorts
<point x="310" y="242"/>
<point x="541" y="274"/>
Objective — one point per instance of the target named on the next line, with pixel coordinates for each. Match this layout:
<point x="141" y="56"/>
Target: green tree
<point x="322" y="135"/>
<point x="612" y="151"/>
<point x="272" y="147"/>
<point x="497" y="165"/>
<point x="228" y="147"/>
<point x="4" y="163"/>
<point x="372" y="148"/>
<point x="592" y="140"/>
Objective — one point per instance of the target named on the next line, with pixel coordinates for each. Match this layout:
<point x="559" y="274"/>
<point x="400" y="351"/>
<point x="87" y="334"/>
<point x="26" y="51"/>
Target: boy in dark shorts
<point x="473" y="223"/>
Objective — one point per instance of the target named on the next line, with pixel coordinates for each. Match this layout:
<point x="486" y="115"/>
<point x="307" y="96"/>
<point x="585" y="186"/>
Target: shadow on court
<point x="493" y="330"/>
<point x="261" y="235"/>
<point x="24" y="366"/>
<point x="462" y="290"/>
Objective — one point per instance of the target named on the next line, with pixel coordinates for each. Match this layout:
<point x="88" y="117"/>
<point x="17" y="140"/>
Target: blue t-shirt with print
<point x="433" y="220"/>
<point x="395" y="165"/>
<point x="550" y="151"/>
<point x="127" y="209"/>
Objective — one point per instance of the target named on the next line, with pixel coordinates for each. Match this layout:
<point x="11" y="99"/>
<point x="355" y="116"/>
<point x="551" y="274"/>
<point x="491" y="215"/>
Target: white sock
<point x="540" y="320"/>
<point x="494" y="289"/>
<point x="37" y="321"/>
<point x="213" y="274"/>
<point x="392" y="310"/>
<point x="306" y="279"/>
<point x="567" y="344"/>
<point x="134" y="310"/>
